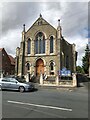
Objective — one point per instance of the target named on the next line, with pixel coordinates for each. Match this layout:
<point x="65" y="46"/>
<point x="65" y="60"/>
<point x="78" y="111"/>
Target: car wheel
<point x="21" y="89"/>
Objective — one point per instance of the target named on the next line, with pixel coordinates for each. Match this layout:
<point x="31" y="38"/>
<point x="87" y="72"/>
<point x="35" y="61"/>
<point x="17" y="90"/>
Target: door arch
<point x="39" y="67"/>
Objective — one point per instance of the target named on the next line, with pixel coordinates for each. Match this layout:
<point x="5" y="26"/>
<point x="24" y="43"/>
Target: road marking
<point x="39" y="111"/>
<point x="43" y="106"/>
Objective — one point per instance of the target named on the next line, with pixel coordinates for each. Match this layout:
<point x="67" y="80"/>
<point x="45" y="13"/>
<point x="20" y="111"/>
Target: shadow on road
<point x="34" y="90"/>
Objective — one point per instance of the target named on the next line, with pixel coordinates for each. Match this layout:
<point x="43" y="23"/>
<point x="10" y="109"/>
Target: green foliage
<point x="79" y="69"/>
<point x="85" y="60"/>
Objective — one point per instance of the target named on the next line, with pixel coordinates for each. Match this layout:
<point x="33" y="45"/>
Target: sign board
<point x="68" y="73"/>
<point x="65" y="72"/>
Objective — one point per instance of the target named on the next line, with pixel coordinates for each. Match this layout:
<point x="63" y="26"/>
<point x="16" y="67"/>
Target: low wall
<point x="56" y="81"/>
<point x="60" y="83"/>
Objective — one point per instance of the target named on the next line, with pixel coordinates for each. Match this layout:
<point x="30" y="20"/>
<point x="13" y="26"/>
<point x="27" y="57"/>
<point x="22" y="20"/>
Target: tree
<point x="85" y="60"/>
<point x="79" y="69"/>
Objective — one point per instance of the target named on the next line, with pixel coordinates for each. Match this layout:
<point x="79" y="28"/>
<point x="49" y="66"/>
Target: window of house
<point x="40" y="43"/>
<point x="29" y="46"/>
<point x="51" y="44"/>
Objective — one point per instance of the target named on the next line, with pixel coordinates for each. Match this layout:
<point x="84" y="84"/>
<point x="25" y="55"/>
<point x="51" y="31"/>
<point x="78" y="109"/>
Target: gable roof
<point x="41" y="19"/>
<point x="1" y="49"/>
<point x="11" y="59"/>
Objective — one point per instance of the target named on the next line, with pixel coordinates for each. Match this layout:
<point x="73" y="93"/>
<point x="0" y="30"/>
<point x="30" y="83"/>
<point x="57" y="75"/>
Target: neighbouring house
<point x="12" y="68"/>
<point x="7" y="63"/>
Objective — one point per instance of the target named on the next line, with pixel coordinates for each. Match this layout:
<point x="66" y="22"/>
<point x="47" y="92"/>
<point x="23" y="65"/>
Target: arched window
<point x="28" y="66"/>
<point x="52" y="68"/>
<point x="51" y="44"/>
<point x="40" y="43"/>
<point x="29" y="46"/>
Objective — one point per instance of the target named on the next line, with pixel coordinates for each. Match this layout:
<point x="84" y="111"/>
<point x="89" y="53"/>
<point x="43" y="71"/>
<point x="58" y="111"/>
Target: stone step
<point x="50" y="78"/>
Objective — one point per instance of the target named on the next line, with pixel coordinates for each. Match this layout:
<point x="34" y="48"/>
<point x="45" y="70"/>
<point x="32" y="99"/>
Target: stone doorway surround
<point x="39" y="67"/>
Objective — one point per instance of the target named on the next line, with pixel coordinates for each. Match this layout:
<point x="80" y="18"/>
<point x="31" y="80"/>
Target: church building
<point x="43" y="49"/>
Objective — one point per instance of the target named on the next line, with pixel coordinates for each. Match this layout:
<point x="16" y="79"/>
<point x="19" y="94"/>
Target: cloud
<point x="16" y="14"/>
<point x="11" y="41"/>
<point x="75" y="18"/>
<point x="74" y="22"/>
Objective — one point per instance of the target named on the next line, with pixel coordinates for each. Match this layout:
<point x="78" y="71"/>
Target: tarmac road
<point x="46" y="103"/>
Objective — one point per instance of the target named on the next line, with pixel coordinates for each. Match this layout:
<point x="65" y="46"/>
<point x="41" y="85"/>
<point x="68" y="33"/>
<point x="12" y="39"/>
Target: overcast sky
<point x="73" y="15"/>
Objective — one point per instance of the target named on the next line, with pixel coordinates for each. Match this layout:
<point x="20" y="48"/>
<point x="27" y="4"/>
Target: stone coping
<point x="57" y="85"/>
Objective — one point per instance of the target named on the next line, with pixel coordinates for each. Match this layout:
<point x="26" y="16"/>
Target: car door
<point x="13" y="84"/>
<point x="5" y="83"/>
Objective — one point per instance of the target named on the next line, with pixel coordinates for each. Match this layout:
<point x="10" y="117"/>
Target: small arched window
<point x="40" y="22"/>
<point x="51" y="44"/>
<point x="29" y="46"/>
<point x="28" y="66"/>
<point x="52" y="68"/>
<point x="51" y="65"/>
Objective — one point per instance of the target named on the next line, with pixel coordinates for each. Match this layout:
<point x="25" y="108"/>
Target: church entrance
<point x="39" y="67"/>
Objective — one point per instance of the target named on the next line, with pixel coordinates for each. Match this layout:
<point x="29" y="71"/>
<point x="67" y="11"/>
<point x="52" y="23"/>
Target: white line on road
<point x="43" y="106"/>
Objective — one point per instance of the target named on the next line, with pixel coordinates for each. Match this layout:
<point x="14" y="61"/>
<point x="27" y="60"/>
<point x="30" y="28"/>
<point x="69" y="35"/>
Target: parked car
<point x="13" y="84"/>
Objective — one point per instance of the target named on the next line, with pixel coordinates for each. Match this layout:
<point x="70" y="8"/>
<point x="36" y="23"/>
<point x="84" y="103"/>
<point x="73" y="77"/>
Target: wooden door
<point x="39" y="67"/>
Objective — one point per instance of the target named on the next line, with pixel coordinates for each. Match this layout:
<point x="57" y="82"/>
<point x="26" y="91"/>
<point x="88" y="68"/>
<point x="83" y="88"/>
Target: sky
<point x="73" y="16"/>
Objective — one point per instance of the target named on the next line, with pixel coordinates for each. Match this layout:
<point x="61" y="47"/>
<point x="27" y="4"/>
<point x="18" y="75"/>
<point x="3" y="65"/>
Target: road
<point x="46" y="103"/>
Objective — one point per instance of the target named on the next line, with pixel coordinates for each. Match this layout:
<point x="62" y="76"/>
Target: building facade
<point x="7" y="63"/>
<point x="43" y="49"/>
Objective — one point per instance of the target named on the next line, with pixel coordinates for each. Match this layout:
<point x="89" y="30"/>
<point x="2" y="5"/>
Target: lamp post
<point x="89" y="63"/>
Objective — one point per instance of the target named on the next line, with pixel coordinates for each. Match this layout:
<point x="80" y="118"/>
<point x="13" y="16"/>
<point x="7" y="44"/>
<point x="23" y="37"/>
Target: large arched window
<point x="51" y="44"/>
<point x="29" y="46"/>
<point x="40" y="43"/>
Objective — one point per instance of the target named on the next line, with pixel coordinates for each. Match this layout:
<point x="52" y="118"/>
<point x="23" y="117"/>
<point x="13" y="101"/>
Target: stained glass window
<point x="40" y="43"/>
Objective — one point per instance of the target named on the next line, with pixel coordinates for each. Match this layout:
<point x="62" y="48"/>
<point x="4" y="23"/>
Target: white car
<point x="13" y="84"/>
